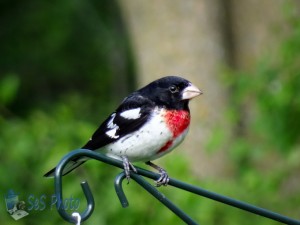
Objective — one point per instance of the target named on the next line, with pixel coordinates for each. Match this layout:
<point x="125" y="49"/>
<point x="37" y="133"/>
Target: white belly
<point x="143" y="144"/>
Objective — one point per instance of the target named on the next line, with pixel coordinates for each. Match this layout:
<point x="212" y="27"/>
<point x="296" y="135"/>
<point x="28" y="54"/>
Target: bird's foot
<point x="127" y="166"/>
<point x="164" y="177"/>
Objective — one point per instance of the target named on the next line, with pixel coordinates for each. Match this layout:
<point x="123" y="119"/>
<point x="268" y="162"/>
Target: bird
<point x="148" y="124"/>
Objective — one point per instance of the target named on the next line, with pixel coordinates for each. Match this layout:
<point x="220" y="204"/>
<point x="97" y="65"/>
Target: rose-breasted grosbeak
<point x="148" y="124"/>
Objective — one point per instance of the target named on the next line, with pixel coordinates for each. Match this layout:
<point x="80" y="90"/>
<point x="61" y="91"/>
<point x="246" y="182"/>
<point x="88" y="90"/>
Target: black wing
<point x="131" y="115"/>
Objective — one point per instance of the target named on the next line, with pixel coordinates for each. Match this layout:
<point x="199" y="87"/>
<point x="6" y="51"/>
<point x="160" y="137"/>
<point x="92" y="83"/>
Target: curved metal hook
<point x="153" y="191"/>
<point x="84" y="185"/>
<point x="119" y="189"/>
<point x="59" y="196"/>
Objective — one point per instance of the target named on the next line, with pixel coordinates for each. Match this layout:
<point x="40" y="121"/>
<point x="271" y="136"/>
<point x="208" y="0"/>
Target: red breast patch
<point x="177" y="121"/>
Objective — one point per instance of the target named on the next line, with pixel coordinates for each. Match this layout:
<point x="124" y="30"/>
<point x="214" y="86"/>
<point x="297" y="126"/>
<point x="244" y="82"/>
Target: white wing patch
<point x="113" y="127"/>
<point x="131" y="114"/>
<point x="111" y="124"/>
<point x="112" y="133"/>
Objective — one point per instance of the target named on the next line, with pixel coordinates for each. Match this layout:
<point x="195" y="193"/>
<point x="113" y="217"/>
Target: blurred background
<point x="65" y="65"/>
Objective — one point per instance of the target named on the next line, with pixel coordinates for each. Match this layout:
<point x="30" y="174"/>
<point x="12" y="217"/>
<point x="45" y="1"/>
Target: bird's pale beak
<point x="190" y="92"/>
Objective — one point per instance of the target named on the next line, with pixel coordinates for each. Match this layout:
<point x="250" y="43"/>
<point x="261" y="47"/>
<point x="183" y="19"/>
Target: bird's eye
<point x="173" y="89"/>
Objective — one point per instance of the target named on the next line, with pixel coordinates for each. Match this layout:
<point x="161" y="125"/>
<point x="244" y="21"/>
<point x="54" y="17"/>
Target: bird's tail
<point x="69" y="167"/>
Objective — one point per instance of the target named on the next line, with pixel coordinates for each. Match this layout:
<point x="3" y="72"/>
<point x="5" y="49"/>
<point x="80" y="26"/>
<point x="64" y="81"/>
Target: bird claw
<point x="127" y="166"/>
<point x="163" y="179"/>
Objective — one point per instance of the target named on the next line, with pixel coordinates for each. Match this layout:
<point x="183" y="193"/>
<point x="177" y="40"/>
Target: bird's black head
<point x="171" y="92"/>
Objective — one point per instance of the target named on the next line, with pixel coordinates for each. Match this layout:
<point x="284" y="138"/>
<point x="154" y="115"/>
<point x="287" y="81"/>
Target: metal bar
<point x="233" y="202"/>
<point x="173" y="182"/>
<point x="163" y="199"/>
<point x="154" y="192"/>
<point x="223" y="199"/>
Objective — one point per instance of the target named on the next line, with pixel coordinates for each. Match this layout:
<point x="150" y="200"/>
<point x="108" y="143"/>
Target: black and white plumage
<point x="148" y="124"/>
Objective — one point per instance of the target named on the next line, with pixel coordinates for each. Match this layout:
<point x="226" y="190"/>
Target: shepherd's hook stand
<point x="149" y="188"/>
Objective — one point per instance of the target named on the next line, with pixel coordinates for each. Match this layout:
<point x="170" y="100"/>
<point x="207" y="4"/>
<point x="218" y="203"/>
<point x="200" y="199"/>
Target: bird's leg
<point x="164" y="177"/>
<point x="127" y="165"/>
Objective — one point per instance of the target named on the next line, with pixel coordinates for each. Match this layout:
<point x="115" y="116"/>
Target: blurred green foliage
<point x="58" y="80"/>
<point x="268" y="98"/>
<point x="64" y="48"/>
<point x="8" y="88"/>
<point x="265" y="106"/>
